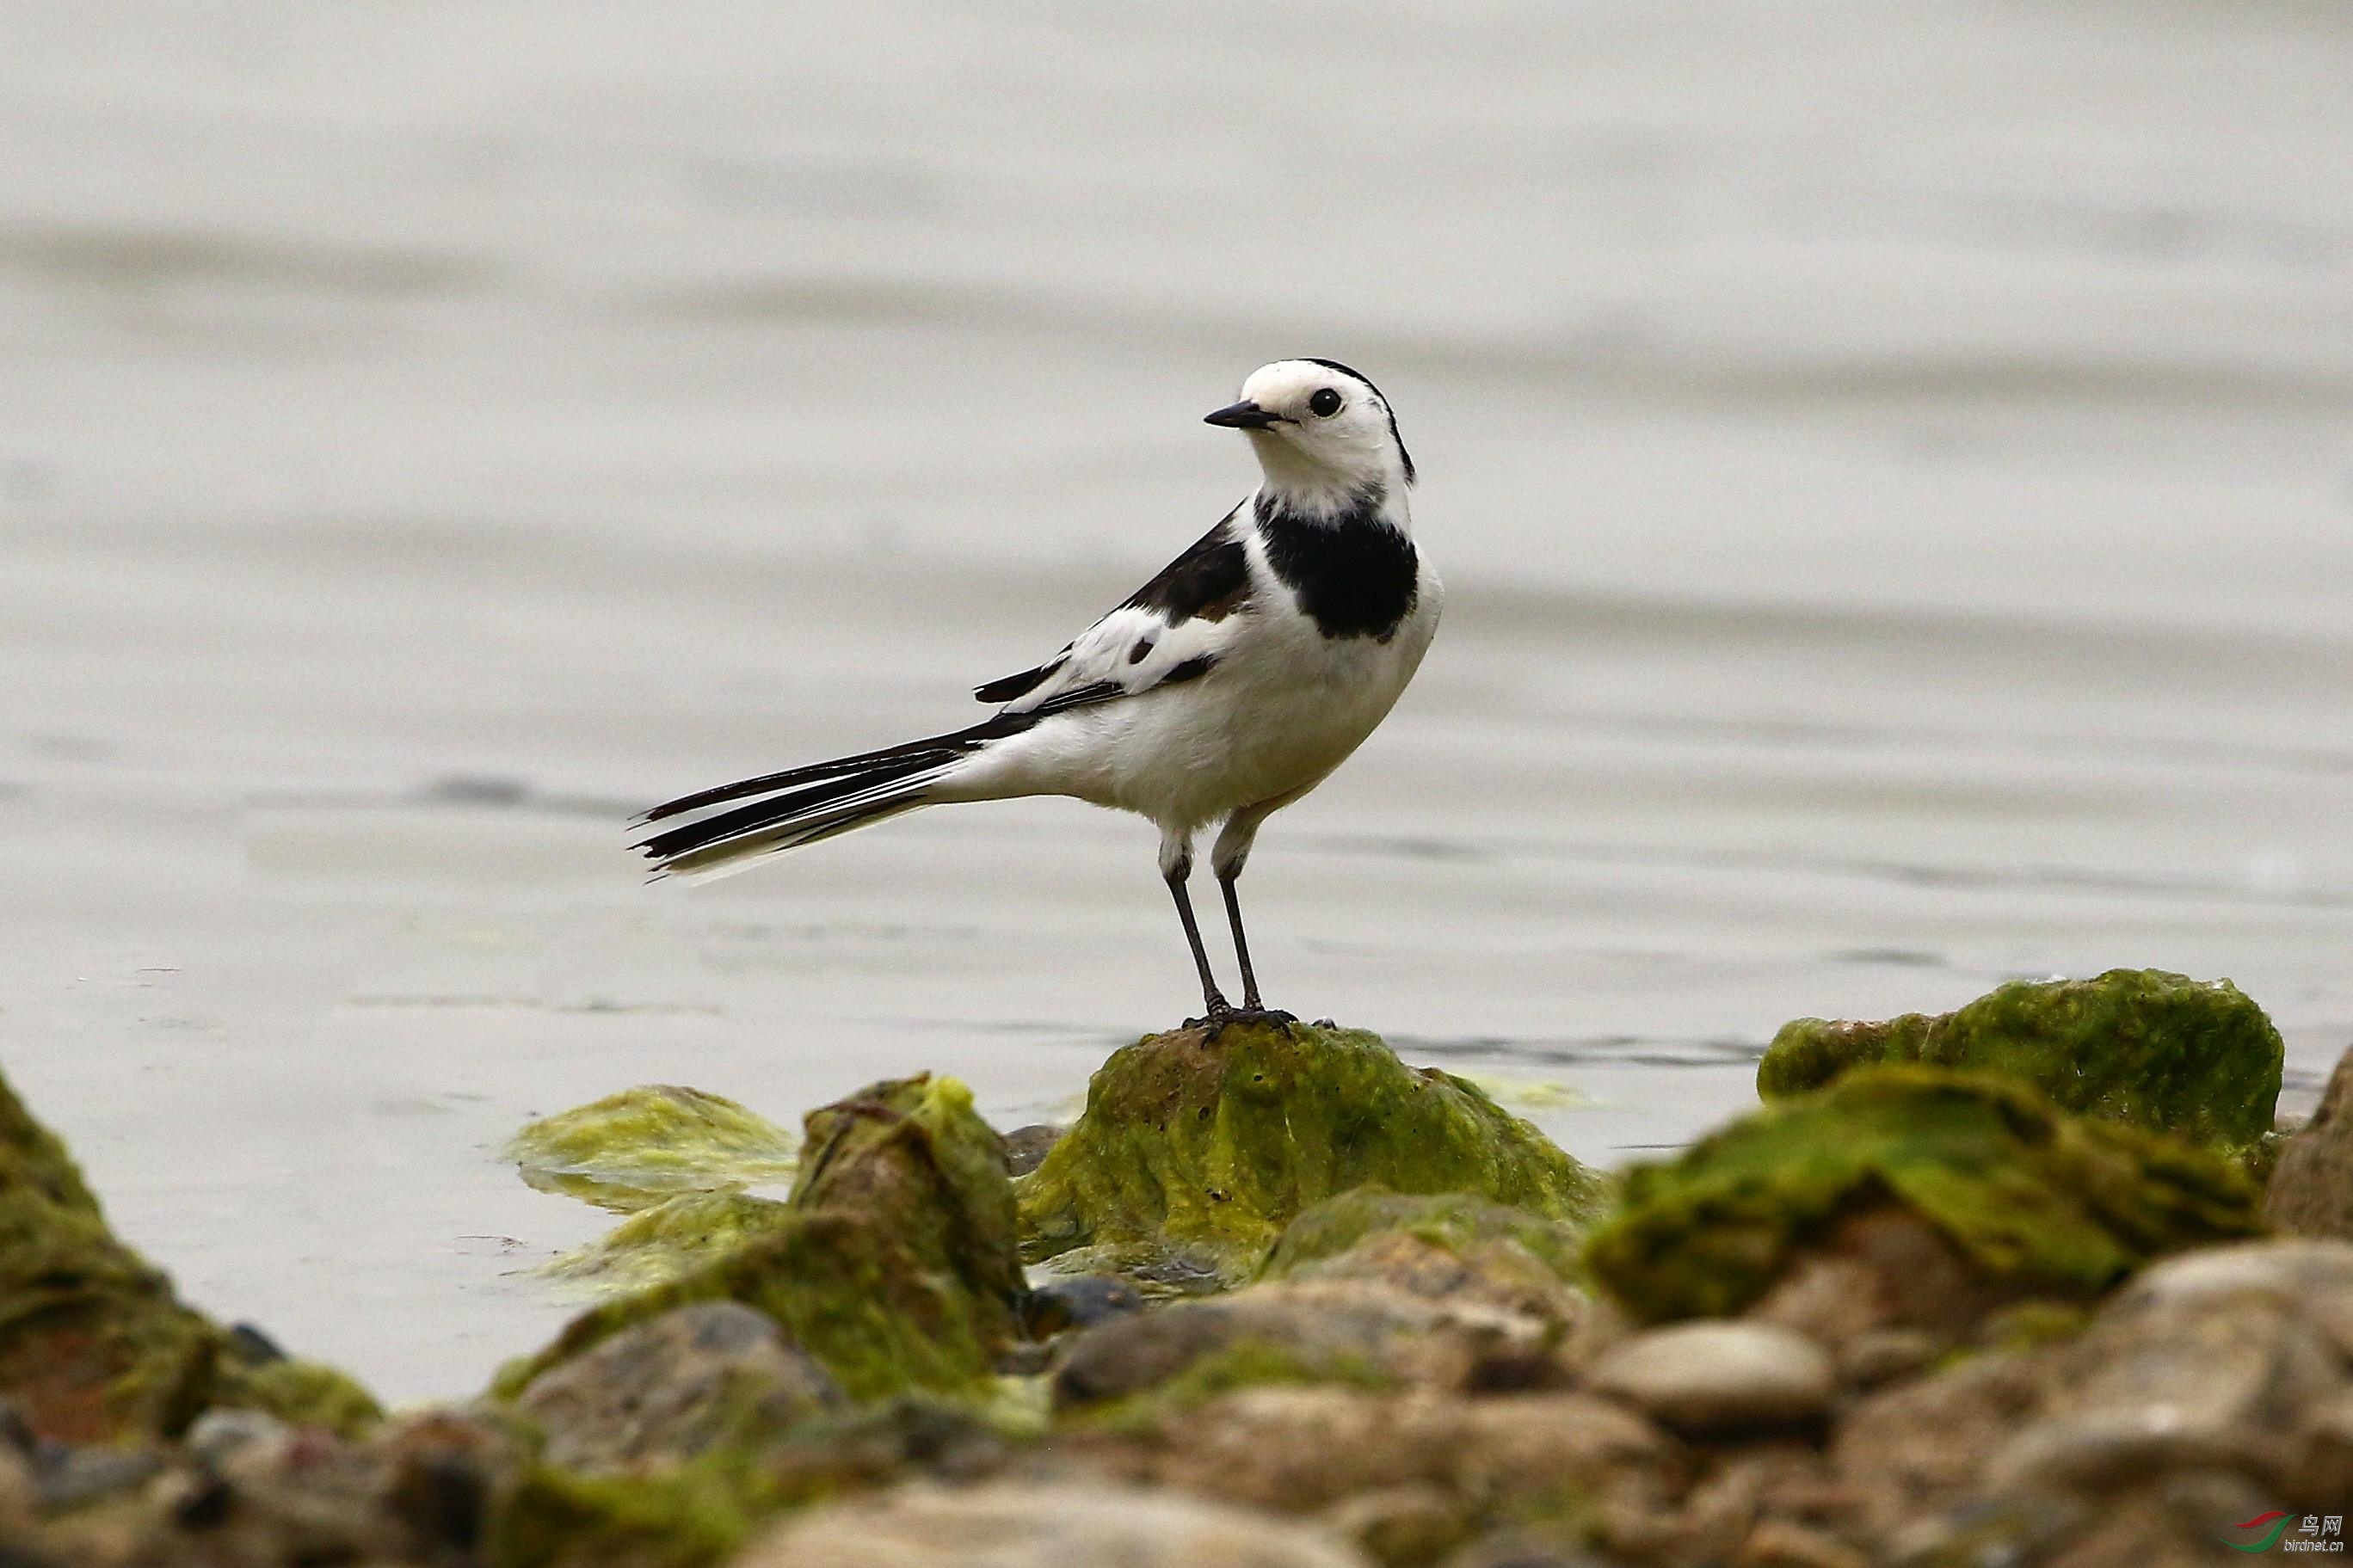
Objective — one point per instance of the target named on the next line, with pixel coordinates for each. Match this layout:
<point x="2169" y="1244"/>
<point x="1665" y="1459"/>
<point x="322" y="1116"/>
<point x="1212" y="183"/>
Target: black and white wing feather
<point x="1173" y="630"/>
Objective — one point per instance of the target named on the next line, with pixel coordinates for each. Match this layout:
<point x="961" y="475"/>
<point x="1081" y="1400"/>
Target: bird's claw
<point x="1222" y="1013"/>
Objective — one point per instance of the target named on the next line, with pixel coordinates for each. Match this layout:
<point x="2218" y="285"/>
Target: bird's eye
<point x="1326" y="403"/>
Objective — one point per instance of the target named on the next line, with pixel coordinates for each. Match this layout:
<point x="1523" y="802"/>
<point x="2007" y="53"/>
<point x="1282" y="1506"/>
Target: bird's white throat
<point x="1315" y="492"/>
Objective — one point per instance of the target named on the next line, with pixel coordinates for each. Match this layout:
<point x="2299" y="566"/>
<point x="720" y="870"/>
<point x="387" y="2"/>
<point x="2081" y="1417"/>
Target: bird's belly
<point x="1257" y="728"/>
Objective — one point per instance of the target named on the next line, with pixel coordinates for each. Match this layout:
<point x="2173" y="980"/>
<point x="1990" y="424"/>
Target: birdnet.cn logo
<point x="2312" y="1532"/>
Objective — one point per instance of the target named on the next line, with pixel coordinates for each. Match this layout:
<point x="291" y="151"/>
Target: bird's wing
<point x="1174" y="628"/>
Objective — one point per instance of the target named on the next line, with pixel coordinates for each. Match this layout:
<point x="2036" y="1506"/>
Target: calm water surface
<point x="1893" y="466"/>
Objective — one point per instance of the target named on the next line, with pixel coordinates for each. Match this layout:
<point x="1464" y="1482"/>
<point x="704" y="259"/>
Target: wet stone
<point x="2311" y="1190"/>
<point x="1777" y="1543"/>
<point x="666" y="1391"/>
<point x="1025" y="1147"/>
<point x="1079" y="1302"/>
<point x="1198" y="1147"/>
<point x="78" y="1477"/>
<point x="2007" y="1198"/>
<point x="1879" y="1356"/>
<point x="1718" y="1377"/>
<point x="1452" y="1246"/>
<point x="218" y="1434"/>
<point x="1399" y="1527"/>
<point x="630" y="1151"/>
<point x="1006" y="1525"/>
<point x="1314" y="1451"/>
<point x="891" y="1263"/>
<point x="2142" y="1046"/>
<point x="1347" y="1331"/>
<point x="95" y="1348"/>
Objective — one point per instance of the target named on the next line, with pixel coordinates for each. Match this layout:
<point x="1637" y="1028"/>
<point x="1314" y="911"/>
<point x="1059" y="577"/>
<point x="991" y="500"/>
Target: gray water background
<point x="1893" y="464"/>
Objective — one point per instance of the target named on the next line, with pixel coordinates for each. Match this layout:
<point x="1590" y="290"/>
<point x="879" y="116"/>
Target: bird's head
<point x="1322" y="431"/>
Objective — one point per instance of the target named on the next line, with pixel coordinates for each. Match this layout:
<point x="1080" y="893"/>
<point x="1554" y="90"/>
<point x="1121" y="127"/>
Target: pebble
<point x="222" y="1431"/>
<point x="1718" y="1376"/>
<point x="668" y="1389"/>
<point x="1078" y="1302"/>
<point x="1047" y="1525"/>
<point x="1025" y="1147"/>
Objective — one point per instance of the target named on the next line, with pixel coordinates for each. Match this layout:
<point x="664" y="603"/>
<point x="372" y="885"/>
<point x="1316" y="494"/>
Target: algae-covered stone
<point x="1452" y="1246"/>
<point x="913" y="1153"/>
<point x="1462" y="1224"/>
<point x="677" y="1236"/>
<point x="299" y="1394"/>
<point x="2044" y="1201"/>
<point x="2196" y="1058"/>
<point x="667" y="1393"/>
<point x="684" y="1518"/>
<point x="894" y="1264"/>
<point x="94" y="1346"/>
<point x="1198" y="1147"/>
<point x="2311" y="1187"/>
<point x="637" y="1148"/>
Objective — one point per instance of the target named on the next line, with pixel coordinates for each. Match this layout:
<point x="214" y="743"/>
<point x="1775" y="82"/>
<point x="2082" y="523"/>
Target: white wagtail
<point x="1225" y="687"/>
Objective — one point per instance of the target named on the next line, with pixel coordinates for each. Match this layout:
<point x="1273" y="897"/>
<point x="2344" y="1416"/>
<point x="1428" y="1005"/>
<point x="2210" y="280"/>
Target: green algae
<point x="700" y="1513"/>
<point x="913" y="1153"/>
<point x="706" y="1509"/>
<point x="892" y="1263"/>
<point x="2151" y="1049"/>
<point x="1198" y="1147"/>
<point x="2049" y="1204"/>
<point x="1248" y="1363"/>
<point x="94" y="1345"/>
<point x="642" y="1146"/>
<point x="301" y="1393"/>
<point x="1462" y="1224"/>
<point x="1530" y="1093"/>
<point x="657" y="1245"/>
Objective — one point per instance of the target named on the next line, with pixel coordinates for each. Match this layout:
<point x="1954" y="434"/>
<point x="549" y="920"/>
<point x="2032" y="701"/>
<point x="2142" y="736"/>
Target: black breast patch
<point x="1355" y="575"/>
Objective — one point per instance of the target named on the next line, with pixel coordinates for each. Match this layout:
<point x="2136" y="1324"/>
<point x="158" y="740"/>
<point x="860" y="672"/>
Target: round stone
<point x="1718" y="1376"/>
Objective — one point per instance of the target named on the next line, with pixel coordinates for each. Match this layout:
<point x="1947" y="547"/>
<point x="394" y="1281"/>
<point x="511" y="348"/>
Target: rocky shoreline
<point x="2035" y="1281"/>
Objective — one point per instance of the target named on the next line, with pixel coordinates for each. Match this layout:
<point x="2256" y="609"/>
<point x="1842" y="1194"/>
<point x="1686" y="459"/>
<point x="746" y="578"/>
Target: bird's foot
<point x="1219" y="1012"/>
<point x="1222" y="1013"/>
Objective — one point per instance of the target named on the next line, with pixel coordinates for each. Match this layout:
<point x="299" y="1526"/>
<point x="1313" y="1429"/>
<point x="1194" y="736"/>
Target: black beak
<point x="1242" y="415"/>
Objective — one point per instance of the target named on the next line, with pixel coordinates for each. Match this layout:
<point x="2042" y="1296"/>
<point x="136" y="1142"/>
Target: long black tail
<point x="801" y="806"/>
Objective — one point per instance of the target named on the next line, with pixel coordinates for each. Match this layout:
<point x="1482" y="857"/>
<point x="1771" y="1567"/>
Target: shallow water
<point x="1891" y="466"/>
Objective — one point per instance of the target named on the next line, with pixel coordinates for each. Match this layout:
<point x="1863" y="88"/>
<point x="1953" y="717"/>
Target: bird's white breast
<point x="1285" y="705"/>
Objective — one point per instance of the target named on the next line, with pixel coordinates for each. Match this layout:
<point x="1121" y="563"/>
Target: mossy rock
<point x="1462" y="1224"/>
<point x="301" y="1393"/>
<point x="94" y="1346"/>
<point x="1198" y="1147"/>
<point x="2196" y="1058"/>
<point x="674" y="1238"/>
<point x="892" y="1263"/>
<point x="697" y="1514"/>
<point x="1245" y="1364"/>
<point x="646" y="1145"/>
<point x="2034" y="1198"/>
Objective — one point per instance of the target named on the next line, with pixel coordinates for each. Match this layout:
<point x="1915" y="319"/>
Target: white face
<point x="1324" y="426"/>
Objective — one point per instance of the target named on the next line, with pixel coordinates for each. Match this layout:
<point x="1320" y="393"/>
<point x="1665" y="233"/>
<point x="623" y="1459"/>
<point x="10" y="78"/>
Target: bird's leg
<point x="1232" y="848"/>
<point x="1251" y="1006"/>
<point x="1176" y="869"/>
<point x="1241" y="943"/>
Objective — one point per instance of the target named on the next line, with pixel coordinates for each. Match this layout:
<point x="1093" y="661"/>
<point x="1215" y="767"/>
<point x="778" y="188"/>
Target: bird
<point x="1223" y="691"/>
